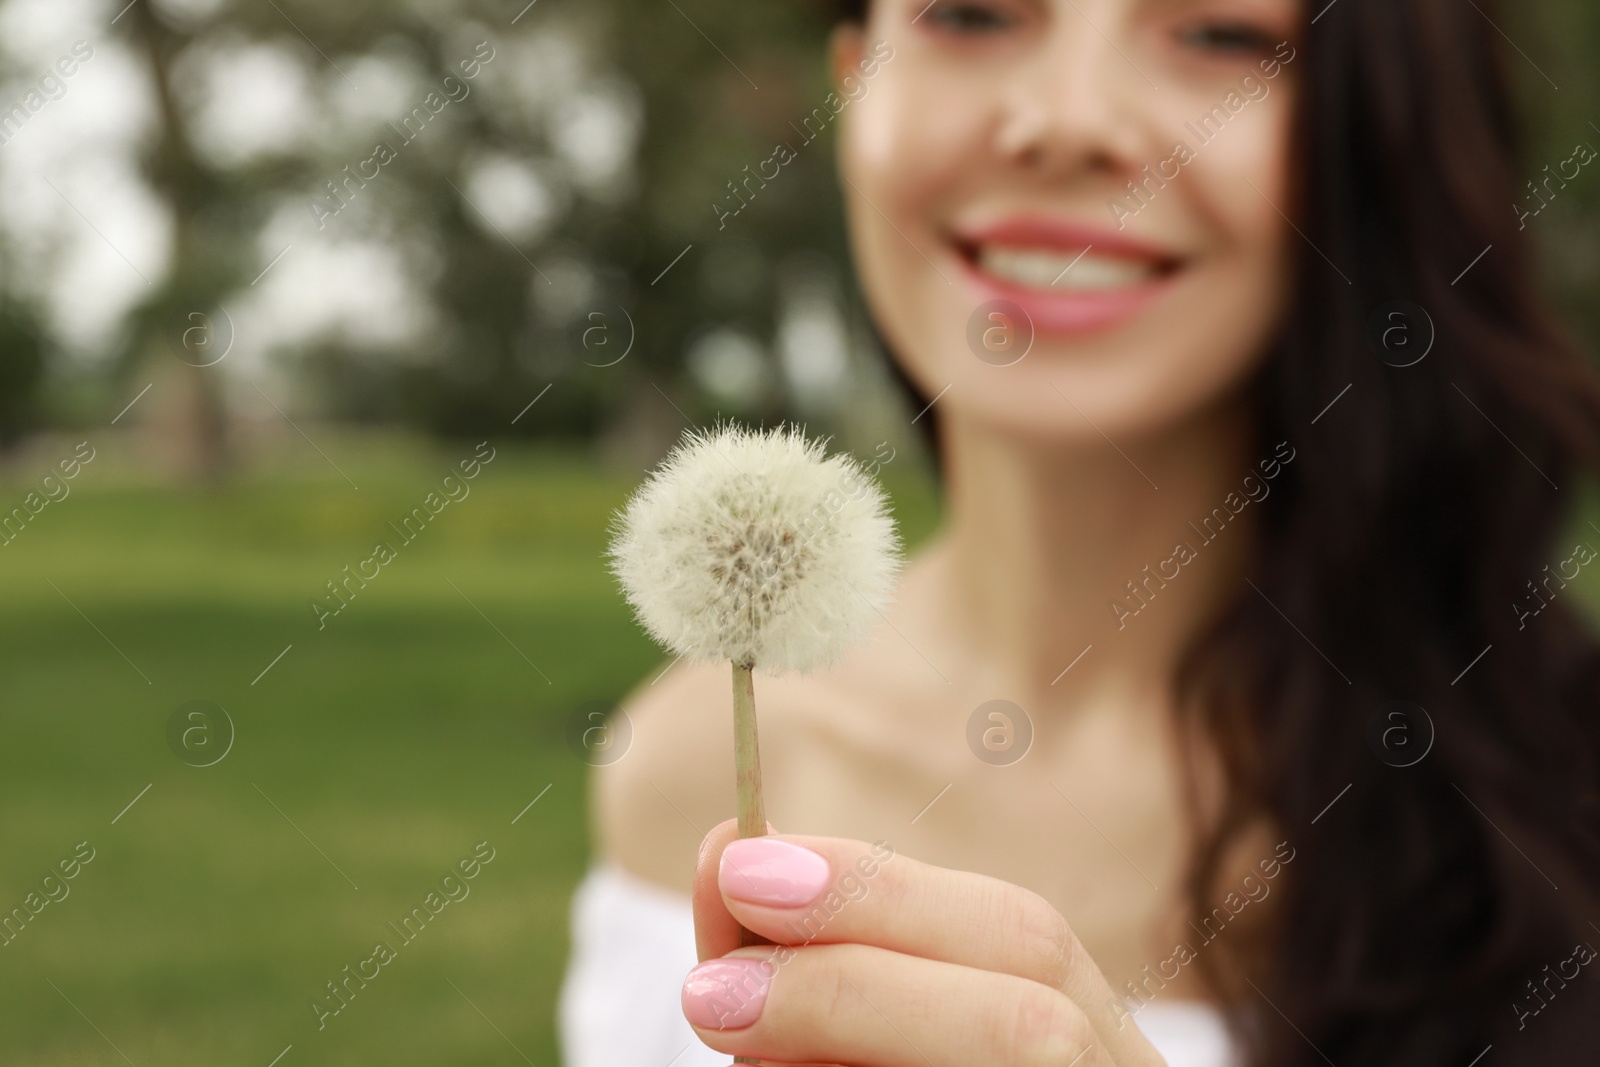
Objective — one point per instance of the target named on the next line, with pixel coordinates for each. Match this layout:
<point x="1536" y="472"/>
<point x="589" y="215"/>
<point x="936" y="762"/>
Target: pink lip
<point x="1067" y="312"/>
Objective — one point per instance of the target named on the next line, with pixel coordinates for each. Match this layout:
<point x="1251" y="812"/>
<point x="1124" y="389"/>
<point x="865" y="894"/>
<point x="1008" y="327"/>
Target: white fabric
<point x="633" y="942"/>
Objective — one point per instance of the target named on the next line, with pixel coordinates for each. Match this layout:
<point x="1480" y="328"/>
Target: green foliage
<point x="510" y="311"/>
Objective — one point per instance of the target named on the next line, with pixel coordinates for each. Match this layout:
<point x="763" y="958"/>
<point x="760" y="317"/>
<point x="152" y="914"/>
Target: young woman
<point x="1263" y="538"/>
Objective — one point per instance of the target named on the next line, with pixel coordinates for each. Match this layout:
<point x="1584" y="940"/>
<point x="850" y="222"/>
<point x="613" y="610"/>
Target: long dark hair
<point x="1430" y="909"/>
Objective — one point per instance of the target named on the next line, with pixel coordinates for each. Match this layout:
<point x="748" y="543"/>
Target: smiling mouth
<point x="1064" y="270"/>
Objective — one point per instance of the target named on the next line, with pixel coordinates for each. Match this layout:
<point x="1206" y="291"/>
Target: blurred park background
<point x="275" y="340"/>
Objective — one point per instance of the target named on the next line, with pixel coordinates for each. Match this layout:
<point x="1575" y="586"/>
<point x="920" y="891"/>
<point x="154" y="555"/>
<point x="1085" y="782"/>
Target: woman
<point x="1258" y="539"/>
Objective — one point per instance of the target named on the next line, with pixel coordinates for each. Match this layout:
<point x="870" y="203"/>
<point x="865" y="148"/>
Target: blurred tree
<point x="205" y="263"/>
<point x="22" y="360"/>
<point x="535" y="218"/>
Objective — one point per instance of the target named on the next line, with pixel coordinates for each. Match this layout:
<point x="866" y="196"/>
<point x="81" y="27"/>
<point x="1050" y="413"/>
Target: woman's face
<point x="1105" y="175"/>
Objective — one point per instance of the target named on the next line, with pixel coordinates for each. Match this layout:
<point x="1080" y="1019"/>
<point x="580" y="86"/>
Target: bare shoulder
<point x="652" y="806"/>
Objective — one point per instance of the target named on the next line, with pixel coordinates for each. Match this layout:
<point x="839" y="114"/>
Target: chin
<point x="1055" y="406"/>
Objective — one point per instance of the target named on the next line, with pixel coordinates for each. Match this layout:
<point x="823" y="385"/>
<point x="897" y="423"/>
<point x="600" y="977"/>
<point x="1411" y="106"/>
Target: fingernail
<point x="726" y="994"/>
<point x="763" y="870"/>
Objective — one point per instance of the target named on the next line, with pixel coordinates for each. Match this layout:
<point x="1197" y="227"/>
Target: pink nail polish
<point x="726" y="994"/>
<point x="764" y="870"/>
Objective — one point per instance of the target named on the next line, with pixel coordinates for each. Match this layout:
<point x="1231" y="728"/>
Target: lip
<point x="1068" y="312"/>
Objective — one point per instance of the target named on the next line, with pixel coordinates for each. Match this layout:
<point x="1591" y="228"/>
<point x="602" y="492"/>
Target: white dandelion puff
<point x="754" y="548"/>
<point x="757" y="549"/>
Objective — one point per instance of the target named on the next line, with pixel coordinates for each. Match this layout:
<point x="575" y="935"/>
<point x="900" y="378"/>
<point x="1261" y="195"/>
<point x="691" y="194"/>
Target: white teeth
<point x="1049" y="270"/>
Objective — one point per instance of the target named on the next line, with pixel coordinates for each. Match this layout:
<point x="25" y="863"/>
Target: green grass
<point x="396" y="738"/>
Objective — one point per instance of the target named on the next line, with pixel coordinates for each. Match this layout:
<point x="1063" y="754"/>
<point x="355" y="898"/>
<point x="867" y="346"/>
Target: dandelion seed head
<point x="756" y="547"/>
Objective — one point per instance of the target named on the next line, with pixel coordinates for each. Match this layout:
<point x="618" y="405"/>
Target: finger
<point x="796" y="889"/>
<point x="716" y="933"/>
<point x="851" y="1003"/>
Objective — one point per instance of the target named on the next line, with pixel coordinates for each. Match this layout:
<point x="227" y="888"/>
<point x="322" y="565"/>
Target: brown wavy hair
<point x="1426" y="913"/>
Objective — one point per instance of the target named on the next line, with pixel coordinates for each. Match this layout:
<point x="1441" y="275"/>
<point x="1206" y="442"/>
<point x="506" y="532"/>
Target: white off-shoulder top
<point x="633" y="942"/>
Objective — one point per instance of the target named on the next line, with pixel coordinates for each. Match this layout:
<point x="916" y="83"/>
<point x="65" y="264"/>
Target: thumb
<point x="716" y="932"/>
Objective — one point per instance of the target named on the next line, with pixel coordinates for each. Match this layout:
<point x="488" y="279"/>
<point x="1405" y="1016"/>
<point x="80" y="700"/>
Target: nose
<point x="1072" y="103"/>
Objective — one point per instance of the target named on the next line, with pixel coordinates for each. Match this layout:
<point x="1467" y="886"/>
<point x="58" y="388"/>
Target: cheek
<point x="1251" y="152"/>
<point x="1214" y="333"/>
<point x="905" y="144"/>
<point x="907" y="152"/>
<point x="1240" y="195"/>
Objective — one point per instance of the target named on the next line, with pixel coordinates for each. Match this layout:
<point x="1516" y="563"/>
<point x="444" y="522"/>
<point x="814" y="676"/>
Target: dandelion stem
<point x="746" y="753"/>
<point x="747" y="777"/>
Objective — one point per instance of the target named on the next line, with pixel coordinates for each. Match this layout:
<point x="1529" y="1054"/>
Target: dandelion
<point x="755" y="548"/>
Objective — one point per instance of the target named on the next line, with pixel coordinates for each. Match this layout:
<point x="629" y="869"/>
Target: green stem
<point x="747" y="777"/>
<point x="747" y="754"/>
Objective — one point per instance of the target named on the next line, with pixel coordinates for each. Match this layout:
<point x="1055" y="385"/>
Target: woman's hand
<point x="880" y="960"/>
